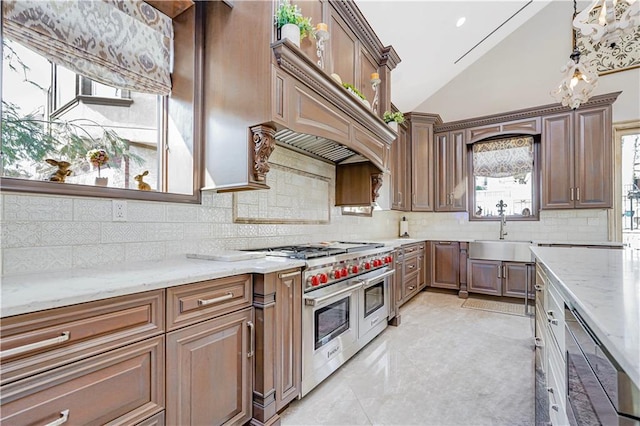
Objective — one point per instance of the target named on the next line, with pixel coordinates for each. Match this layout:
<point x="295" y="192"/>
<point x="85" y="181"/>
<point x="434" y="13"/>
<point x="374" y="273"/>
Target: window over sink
<point x="66" y="130"/>
<point x="504" y="172"/>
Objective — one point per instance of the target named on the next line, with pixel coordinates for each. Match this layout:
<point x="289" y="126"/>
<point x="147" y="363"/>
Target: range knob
<point x="367" y="265"/>
<point x="344" y="272"/>
<point x="313" y="280"/>
<point x="377" y="262"/>
<point x="324" y="278"/>
<point x="354" y="269"/>
<point x="335" y="274"/>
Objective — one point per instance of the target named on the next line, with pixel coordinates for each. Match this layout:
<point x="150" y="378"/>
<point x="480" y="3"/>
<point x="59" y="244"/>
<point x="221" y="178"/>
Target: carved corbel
<point x="376" y="184"/>
<point x="263" y="144"/>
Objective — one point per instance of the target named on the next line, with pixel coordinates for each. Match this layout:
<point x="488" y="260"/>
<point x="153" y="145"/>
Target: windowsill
<point x="92" y="100"/>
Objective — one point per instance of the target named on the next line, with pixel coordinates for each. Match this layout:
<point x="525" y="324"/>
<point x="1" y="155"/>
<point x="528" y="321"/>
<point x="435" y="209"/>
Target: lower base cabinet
<point x="497" y="278"/>
<point x="209" y="371"/>
<point x="445" y="264"/>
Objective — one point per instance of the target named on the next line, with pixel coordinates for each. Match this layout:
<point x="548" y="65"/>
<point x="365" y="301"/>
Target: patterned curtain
<point x="504" y="157"/>
<point x="121" y="43"/>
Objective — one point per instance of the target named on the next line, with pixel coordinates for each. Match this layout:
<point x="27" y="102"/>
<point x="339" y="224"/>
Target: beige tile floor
<point x="445" y="365"/>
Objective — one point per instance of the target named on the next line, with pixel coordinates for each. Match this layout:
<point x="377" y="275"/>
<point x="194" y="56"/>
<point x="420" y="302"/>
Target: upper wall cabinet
<point x="401" y="171"/>
<point x="451" y="175"/>
<point x="577" y="159"/>
<point x="261" y="91"/>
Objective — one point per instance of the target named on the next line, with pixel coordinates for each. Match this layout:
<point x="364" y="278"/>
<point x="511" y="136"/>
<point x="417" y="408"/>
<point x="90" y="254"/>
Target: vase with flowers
<point x="291" y="23"/>
<point x="393" y="119"/>
<point x="98" y="158"/>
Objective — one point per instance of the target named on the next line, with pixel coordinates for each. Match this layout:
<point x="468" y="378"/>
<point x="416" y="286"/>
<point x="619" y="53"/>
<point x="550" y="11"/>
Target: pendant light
<point x="611" y="25"/>
<point x="578" y="81"/>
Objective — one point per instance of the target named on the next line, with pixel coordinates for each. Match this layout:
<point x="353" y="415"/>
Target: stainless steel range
<point x="345" y="303"/>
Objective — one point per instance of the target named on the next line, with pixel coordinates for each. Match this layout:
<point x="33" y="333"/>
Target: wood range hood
<point x="323" y="119"/>
<point x="261" y="92"/>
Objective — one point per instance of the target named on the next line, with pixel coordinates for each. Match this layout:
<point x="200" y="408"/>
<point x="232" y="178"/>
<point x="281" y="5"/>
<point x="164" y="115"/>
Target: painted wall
<point x="523" y="69"/>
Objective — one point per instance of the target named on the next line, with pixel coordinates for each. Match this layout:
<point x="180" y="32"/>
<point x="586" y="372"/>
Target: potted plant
<point x="393" y="119"/>
<point x="291" y="23"/>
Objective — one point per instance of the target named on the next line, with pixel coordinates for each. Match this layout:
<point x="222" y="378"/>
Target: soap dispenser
<point x="404" y="228"/>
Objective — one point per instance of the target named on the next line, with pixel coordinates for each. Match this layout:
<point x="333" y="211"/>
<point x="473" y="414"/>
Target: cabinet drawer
<point x="557" y="394"/>
<point x="125" y="385"/>
<point x="35" y="342"/>
<point x="410" y="286"/>
<point x="192" y="303"/>
<point x="411" y="250"/>
<point x="411" y="266"/>
<point x="155" y="420"/>
<point x="555" y="316"/>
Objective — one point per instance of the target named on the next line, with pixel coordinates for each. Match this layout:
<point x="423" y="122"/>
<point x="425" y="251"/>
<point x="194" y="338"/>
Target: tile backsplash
<point x="49" y="233"/>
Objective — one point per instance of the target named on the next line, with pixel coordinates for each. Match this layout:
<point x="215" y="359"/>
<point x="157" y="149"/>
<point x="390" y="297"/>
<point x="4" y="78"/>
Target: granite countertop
<point x="34" y="292"/>
<point x="603" y="286"/>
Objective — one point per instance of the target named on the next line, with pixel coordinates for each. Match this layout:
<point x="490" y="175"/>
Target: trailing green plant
<point x="353" y="88"/>
<point x="288" y="13"/>
<point x="389" y="116"/>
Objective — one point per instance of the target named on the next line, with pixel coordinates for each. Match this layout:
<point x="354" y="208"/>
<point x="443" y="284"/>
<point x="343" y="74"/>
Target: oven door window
<point x="331" y="321"/>
<point x="373" y="298"/>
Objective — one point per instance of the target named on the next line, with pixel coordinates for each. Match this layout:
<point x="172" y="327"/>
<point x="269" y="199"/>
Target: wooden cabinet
<point x="450" y="181"/>
<point x="357" y="184"/>
<point x="210" y="352"/>
<point x="410" y="271"/>
<point x="527" y="126"/>
<point x="577" y="159"/>
<point x="445" y="264"/>
<point x="499" y="278"/>
<point x="278" y="368"/>
<point x="401" y="171"/>
<point x="94" y="363"/>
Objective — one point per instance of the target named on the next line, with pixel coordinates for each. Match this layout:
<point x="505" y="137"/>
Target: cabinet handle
<point x="504" y="272"/>
<point x="551" y="319"/>
<point x="37" y="345"/>
<point x="412" y="266"/>
<point x="538" y="342"/>
<point x="578" y="193"/>
<point x="555" y="407"/>
<point x="399" y="198"/>
<point x="64" y="416"/>
<point x="499" y="270"/>
<point x="571" y="193"/>
<point x="203" y="302"/>
<point x="445" y="243"/>
<point x="252" y="338"/>
<point x="538" y="287"/>
<point x="375" y="320"/>
<point x="288" y="274"/>
<point x="411" y="287"/>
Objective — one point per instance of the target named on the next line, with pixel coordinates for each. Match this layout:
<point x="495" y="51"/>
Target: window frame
<point x="535" y="182"/>
<point x="196" y="35"/>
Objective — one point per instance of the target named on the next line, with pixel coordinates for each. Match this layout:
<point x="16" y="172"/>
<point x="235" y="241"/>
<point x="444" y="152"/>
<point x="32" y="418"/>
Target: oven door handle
<point x="315" y="301"/>
<point x="373" y="281"/>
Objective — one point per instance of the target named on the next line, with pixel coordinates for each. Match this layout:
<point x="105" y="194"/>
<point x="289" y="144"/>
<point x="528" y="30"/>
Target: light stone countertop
<point x="34" y="292"/>
<point x="603" y="286"/>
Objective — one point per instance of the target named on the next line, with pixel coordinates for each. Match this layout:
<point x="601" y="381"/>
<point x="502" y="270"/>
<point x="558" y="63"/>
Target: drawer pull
<point x="538" y="287"/>
<point x="551" y="319"/>
<point x="538" y="342"/>
<point x="555" y="407"/>
<point x="375" y="320"/>
<point x="64" y="416"/>
<point x="252" y="338"/>
<point x="289" y="274"/>
<point x="411" y="287"/>
<point x="412" y="266"/>
<point x="203" y="302"/>
<point x="37" y="345"/>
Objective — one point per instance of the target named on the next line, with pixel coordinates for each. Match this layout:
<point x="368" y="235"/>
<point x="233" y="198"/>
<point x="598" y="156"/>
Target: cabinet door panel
<point x="593" y="158"/>
<point x="557" y="161"/>
<point x="485" y="277"/>
<point x="400" y="171"/>
<point x="445" y="264"/>
<point x="343" y="49"/>
<point x="442" y="193"/>
<point x="516" y="279"/>
<point x="457" y="173"/>
<point x="122" y="386"/>
<point x="209" y="375"/>
<point x="422" y="167"/>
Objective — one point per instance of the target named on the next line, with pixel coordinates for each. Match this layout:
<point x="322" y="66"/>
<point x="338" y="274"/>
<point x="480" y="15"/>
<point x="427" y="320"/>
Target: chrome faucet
<point x="503" y="224"/>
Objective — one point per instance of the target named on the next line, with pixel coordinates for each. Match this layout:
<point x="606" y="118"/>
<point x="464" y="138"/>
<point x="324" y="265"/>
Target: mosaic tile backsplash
<point x="50" y="233"/>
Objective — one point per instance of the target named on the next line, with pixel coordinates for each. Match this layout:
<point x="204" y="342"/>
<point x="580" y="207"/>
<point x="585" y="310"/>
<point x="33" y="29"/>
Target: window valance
<point x="121" y="43"/>
<point x="503" y="157"/>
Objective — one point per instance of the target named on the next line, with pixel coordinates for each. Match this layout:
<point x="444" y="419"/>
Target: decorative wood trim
<point x="599" y="100"/>
<point x="293" y="62"/>
<point x="264" y="143"/>
<point x="376" y="184"/>
<point x="348" y="10"/>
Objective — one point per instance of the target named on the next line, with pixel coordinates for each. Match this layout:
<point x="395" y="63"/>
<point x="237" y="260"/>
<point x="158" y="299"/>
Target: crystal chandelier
<point x="609" y="28"/>
<point x="578" y="81"/>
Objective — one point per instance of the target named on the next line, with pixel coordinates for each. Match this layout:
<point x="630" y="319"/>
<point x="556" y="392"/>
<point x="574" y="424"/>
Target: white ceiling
<point x="425" y="35"/>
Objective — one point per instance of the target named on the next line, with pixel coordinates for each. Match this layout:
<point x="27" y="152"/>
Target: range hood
<point x="315" y="115"/>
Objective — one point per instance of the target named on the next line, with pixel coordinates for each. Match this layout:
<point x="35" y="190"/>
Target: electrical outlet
<point x="119" y="211"/>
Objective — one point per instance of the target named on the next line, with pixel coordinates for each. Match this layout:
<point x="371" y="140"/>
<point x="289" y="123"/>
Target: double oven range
<point x="346" y="302"/>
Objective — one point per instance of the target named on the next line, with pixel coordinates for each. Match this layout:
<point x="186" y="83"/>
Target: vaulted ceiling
<point x="432" y="48"/>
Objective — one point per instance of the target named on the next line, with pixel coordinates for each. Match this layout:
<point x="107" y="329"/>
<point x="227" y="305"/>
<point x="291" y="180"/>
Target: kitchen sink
<point x="508" y="251"/>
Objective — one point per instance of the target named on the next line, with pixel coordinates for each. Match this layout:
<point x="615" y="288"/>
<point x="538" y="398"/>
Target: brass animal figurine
<point x="63" y="170"/>
<point x="142" y="186"/>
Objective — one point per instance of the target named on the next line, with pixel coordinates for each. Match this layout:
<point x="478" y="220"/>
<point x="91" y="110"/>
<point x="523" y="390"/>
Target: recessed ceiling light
<point x="461" y="21"/>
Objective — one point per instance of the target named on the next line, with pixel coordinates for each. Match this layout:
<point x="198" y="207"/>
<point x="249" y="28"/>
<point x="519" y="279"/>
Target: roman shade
<point x="121" y="43"/>
<point x="503" y="157"/>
